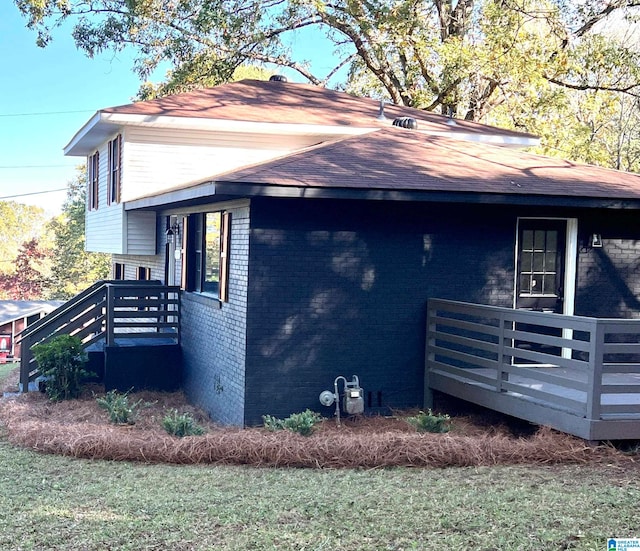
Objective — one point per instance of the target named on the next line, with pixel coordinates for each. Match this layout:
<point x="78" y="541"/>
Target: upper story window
<point x="114" y="170"/>
<point x="208" y="239"/>
<point x="93" y="166"/>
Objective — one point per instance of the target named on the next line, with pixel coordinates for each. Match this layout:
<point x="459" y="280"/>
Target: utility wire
<point x="33" y="193"/>
<point x="42" y="113"/>
<point x="12" y="167"/>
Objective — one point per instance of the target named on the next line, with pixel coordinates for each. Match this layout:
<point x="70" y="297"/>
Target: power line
<point x="43" y="113"/>
<point x="33" y="193"/>
<point x="12" y="167"/>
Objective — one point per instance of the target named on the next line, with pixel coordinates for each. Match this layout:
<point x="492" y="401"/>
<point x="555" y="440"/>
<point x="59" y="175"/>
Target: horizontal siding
<point x="141" y="233"/>
<point x="104" y="228"/>
<point x="155" y="160"/>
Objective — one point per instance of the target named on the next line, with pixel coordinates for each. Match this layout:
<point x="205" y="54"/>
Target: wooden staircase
<point x="109" y="315"/>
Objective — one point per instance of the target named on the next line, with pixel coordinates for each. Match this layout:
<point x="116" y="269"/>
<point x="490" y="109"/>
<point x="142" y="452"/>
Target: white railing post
<point x="596" y="359"/>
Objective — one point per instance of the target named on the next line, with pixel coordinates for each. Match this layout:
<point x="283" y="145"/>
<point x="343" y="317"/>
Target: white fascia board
<point x="515" y="142"/>
<point x="93" y="134"/>
<point x="224" y="125"/>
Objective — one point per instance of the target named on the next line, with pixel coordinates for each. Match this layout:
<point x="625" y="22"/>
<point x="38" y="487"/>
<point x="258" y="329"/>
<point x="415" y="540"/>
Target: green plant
<point x="430" y="422"/>
<point x="303" y="423"/>
<point x="121" y="412"/>
<point x="181" y="424"/>
<point x="61" y="363"/>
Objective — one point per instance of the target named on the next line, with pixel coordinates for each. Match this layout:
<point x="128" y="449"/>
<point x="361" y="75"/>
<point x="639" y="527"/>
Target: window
<point x="93" y="165"/>
<point x="208" y="253"/>
<point x="114" y="170"/>
<point x="143" y="274"/>
<point x="118" y="271"/>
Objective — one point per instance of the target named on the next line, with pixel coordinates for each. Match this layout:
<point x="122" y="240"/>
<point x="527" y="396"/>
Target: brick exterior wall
<point x="609" y="277"/>
<point x="340" y="288"/>
<point x="214" y="337"/>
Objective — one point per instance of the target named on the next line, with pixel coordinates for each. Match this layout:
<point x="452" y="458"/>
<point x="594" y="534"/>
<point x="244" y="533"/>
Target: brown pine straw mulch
<point x="79" y="428"/>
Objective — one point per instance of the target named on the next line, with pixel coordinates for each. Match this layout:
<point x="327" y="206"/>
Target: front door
<point x="541" y="264"/>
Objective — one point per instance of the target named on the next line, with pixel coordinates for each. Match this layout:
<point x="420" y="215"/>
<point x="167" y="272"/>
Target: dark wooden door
<point x="541" y="258"/>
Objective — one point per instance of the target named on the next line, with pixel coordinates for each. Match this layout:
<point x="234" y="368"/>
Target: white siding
<point x="159" y="159"/>
<point x="141" y="233"/>
<point x="104" y="228"/>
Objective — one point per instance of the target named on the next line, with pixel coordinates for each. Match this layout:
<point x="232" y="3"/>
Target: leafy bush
<point x="117" y="405"/>
<point x="303" y="423"/>
<point x="430" y="422"/>
<point x="181" y="424"/>
<point x="61" y="362"/>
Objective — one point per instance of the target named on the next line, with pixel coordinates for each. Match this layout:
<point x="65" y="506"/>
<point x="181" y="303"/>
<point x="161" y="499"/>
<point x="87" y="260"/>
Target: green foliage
<point x="120" y="410"/>
<point x="510" y="63"/>
<point x="73" y="268"/>
<point x="430" y="422"/>
<point x="303" y="423"/>
<point x="61" y="362"/>
<point x="20" y="224"/>
<point x="181" y="424"/>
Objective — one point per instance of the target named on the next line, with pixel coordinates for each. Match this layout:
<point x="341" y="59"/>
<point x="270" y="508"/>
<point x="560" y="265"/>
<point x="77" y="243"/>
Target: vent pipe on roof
<point x="278" y="78"/>
<point x="381" y="116"/>
<point x="406" y="122"/>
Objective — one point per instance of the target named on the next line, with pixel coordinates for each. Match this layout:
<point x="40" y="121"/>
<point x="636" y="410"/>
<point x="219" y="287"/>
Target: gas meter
<point x="352" y="398"/>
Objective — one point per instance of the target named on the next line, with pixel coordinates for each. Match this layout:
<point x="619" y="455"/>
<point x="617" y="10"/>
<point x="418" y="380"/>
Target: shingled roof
<point x="294" y="103"/>
<point x="402" y="160"/>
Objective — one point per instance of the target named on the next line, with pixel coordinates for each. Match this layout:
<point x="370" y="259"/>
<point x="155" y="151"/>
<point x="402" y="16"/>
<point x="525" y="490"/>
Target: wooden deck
<point x="108" y="314"/>
<point x="576" y="374"/>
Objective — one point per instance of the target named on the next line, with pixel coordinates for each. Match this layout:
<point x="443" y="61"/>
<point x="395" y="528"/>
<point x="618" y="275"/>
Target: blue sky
<point x="47" y="95"/>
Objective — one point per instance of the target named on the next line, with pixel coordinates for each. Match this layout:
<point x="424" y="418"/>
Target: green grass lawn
<point x="5" y="369"/>
<point x="57" y="503"/>
<point x="50" y="502"/>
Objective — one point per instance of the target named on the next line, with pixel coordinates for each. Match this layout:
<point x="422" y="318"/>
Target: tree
<point x="29" y="281"/>
<point x="550" y="67"/>
<point x="20" y="223"/>
<point x="462" y="57"/>
<point x="73" y="268"/>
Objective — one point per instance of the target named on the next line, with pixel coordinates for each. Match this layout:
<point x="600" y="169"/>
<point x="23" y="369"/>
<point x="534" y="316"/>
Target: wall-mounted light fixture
<point x="596" y="240"/>
<point x="173" y="233"/>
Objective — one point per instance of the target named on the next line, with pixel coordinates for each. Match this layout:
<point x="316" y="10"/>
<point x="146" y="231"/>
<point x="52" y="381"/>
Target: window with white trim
<point x="114" y="170"/>
<point x="93" y="167"/>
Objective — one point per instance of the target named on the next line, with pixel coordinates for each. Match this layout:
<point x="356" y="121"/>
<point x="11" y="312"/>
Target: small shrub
<point x="181" y="424"/>
<point x="303" y="423"/>
<point x="117" y="405"/>
<point x="430" y="422"/>
<point x="61" y="362"/>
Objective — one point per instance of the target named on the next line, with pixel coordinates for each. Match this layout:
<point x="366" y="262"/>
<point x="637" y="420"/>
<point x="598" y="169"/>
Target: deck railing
<point x="587" y="367"/>
<point x="109" y="312"/>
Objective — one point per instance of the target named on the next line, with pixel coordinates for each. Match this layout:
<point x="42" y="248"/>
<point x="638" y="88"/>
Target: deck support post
<point x="596" y="359"/>
<point x="110" y="337"/>
<point x="428" y="357"/>
<point x="502" y="375"/>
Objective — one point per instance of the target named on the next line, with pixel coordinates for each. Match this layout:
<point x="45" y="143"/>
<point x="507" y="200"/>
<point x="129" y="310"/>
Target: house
<point x="308" y="228"/>
<point x="15" y="316"/>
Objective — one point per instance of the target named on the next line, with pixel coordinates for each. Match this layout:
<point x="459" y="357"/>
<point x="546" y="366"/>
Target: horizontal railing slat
<point x="623" y="409"/>
<point x="466" y="325"/>
<point x="549" y="340"/>
<point x="542" y="358"/>
<point x="576" y="406"/>
<point x="464" y="373"/>
<point x="464" y="357"/>
<point x="546" y="376"/>
<point x="466" y="341"/>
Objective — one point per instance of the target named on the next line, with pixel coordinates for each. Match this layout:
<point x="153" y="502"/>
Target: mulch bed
<point x="79" y="428"/>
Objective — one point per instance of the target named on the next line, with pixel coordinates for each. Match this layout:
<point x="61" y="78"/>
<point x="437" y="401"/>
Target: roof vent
<point x="278" y="78"/>
<point x="406" y="122"/>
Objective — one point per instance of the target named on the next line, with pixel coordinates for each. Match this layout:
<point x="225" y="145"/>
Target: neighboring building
<point x="307" y="232"/>
<point x="15" y="316"/>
